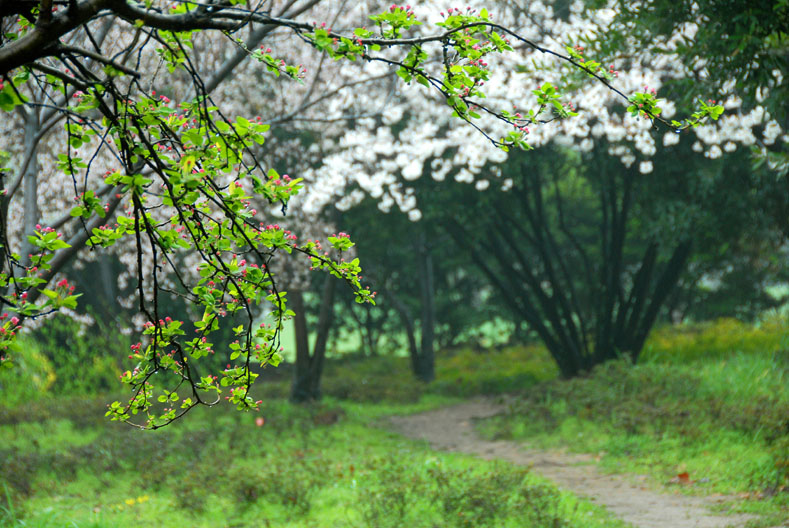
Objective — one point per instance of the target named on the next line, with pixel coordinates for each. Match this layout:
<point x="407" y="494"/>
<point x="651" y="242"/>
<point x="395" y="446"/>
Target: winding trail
<point x="452" y="429"/>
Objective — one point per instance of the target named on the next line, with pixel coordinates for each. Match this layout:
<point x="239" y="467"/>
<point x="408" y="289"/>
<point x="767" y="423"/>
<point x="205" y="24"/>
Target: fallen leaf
<point x="682" y="478"/>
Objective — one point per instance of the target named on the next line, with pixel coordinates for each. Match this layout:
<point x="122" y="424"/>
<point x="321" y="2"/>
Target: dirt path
<point x="452" y="429"/>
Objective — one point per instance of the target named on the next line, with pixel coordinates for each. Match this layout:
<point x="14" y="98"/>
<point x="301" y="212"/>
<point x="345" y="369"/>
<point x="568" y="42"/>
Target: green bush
<point x="467" y="372"/>
<point x="715" y="339"/>
<point x="85" y="360"/>
<point x="30" y="376"/>
<point x="371" y="380"/>
<point x="384" y="501"/>
<point x="477" y="499"/>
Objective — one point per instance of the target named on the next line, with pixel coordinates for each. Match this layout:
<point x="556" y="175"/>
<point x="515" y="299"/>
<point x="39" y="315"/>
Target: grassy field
<point x="710" y="401"/>
<point x="706" y="412"/>
<point x="326" y="465"/>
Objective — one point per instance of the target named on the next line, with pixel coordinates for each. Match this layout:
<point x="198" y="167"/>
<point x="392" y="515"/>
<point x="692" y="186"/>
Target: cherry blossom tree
<point x="389" y="156"/>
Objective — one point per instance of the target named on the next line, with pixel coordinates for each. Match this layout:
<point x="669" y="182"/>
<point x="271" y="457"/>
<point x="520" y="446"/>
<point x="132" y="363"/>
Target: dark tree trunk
<point x="408" y="326"/>
<point x="421" y="354"/>
<point x="425" y="370"/>
<point x="301" y="376"/>
<point x="371" y="330"/>
<point x="585" y="310"/>
<point x="365" y="324"/>
<point x="322" y="338"/>
<point x="309" y="366"/>
<point x="30" y="183"/>
<point x="108" y="283"/>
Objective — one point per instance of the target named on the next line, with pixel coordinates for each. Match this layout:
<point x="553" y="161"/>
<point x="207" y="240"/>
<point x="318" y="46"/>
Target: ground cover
<point x="710" y="401"/>
<point x="325" y="465"/>
<point x="705" y="412"/>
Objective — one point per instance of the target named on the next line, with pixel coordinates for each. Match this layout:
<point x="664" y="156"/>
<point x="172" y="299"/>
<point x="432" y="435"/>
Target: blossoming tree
<point x="396" y="158"/>
<point x="175" y="177"/>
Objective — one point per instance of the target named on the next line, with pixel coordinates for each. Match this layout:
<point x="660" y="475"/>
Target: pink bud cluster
<point x="45" y="229"/>
<point x="406" y="9"/>
<point x="63" y="283"/>
<point x="135" y="349"/>
<point x="285" y="178"/>
<point x="9" y="329"/>
<point x="469" y="11"/>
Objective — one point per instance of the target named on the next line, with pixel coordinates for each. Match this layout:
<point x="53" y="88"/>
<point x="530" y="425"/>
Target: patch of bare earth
<point x="452" y="429"/>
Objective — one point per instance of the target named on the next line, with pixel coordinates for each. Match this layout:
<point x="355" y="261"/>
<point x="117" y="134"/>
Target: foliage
<point x="715" y="340"/>
<point x="736" y="47"/>
<point x="73" y="351"/>
<point x="511" y="369"/>
<point x="31" y="378"/>
<point x="587" y="253"/>
<point x="732" y="40"/>
<point x="460" y="372"/>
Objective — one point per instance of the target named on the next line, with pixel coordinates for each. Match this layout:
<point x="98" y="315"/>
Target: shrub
<point x="31" y="377"/>
<point x="85" y="360"/>
<point x="287" y="481"/>
<point x="715" y="339"/>
<point x="372" y="380"/>
<point x="384" y="501"/>
<point x="478" y="499"/>
<point x="466" y="372"/>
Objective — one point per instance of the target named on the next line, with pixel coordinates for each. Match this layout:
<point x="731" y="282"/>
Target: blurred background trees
<point x="584" y="244"/>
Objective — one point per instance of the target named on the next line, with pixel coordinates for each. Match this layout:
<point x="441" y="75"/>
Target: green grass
<point x="709" y="400"/>
<point x="301" y="468"/>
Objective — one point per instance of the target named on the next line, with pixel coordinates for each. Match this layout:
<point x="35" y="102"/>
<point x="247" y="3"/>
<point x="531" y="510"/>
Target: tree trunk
<point x="605" y="314"/>
<point x="4" y="249"/>
<point x="301" y="375"/>
<point x="30" y="182"/>
<point x="426" y="364"/>
<point x="324" y="329"/>
<point x="309" y="366"/>
<point x="408" y="325"/>
<point x="108" y="282"/>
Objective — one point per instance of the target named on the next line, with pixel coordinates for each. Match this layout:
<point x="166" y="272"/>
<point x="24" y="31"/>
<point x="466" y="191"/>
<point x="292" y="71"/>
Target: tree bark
<point x="426" y="365"/>
<point x="309" y="366"/>
<point x="301" y="376"/>
<point x="324" y="329"/>
<point x="30" y="182"/>
<point x="408" y="325"/>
